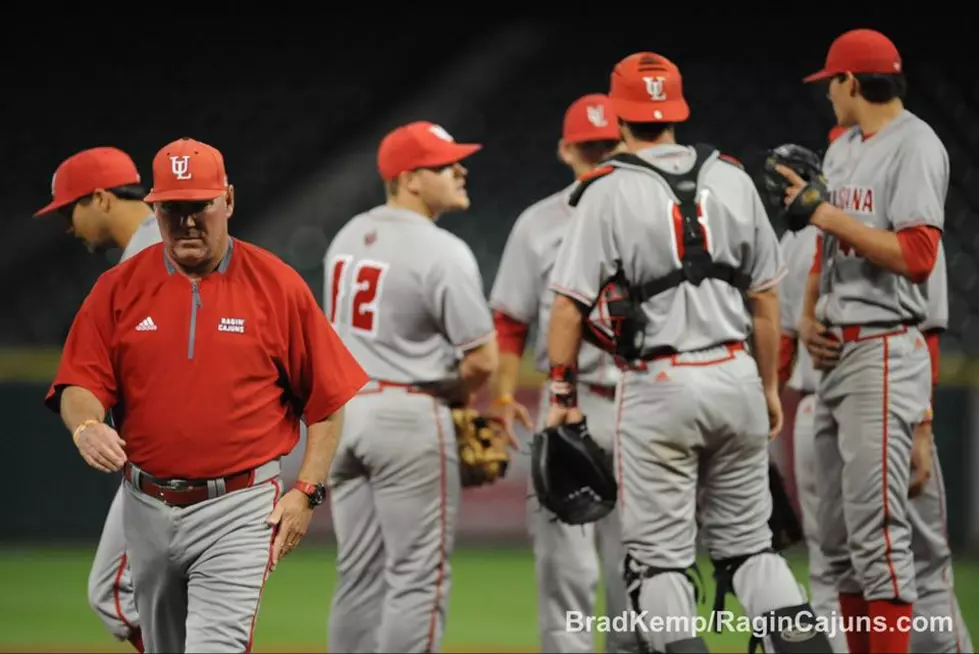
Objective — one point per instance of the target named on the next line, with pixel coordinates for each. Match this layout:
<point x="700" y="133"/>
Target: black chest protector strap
<point x="696" y="262"/>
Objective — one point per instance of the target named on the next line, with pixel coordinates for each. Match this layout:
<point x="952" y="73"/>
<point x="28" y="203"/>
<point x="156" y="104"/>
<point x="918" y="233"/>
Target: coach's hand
<point x="921" y="460"/>
<point x="101" y="447"/>
<point x="291" y="515"/>
<point x="822" y="345"/>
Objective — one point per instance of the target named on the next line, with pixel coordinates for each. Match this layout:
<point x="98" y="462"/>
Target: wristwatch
<point x="315" y="492"/>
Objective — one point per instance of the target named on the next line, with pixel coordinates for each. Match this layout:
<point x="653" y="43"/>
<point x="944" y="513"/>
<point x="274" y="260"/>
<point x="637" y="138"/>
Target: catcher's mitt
<point x="483" y="454"/>
<point x="773" y="184"/>
<point x="573" y="477"/>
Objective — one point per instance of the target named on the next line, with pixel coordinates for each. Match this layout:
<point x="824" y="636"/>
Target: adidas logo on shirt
<point x="147" y="325"/>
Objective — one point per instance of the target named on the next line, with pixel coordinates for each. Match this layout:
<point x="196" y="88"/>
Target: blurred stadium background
<point x="298" y="116"/>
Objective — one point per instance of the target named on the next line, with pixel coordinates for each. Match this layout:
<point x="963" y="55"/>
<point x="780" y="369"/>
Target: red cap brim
<point x="185" y="195"/>
<point x="50" y="207"/>
<point x="821" y="75"/>
<point x="452" y="153"/>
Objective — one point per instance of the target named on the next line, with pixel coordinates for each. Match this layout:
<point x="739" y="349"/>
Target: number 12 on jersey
<point x="355" y="292"/>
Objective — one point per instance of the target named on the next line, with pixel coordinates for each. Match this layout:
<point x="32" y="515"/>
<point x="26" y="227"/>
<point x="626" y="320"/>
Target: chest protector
<point x="615" y="322"/>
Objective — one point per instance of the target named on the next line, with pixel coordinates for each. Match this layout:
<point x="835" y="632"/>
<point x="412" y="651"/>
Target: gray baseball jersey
<point x="614" y="222"/>
<point x="110" y="583"/>
<point x="897" y="179"/>
<point x="696" y="421"/>
<point x="521" y="288"/>
<point x="893" y="180"/>
<point x="405" y="295"/>
<point x="407" y="299"/>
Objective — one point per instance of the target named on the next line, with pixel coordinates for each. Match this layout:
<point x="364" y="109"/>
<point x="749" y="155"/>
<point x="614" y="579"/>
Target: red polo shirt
<point x="202" y="377"/>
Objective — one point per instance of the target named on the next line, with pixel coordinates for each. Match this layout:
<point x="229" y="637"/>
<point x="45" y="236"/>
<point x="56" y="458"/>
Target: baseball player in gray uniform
<point x="566" y="564"/>
<point x="865" y="300"/>
<point x="406" y="297"/>
<point x="929" y="541"/>
<point x="695" y="410"/>
<point x="98" y="193"/>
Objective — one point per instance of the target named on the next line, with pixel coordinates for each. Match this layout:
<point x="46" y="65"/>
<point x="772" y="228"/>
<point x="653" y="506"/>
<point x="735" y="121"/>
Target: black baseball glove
<point x="773" y="184"/>
<point x="573" y="477"/>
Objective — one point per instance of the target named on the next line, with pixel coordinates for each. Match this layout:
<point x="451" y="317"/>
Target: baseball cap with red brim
<point x="188" y="170"/>
<point x="647" y="88"/>
<point x="82" y="173"/>
<point x="420" y="144"/>
<point x="859" y="51"/>
<point x="590" y="118"/>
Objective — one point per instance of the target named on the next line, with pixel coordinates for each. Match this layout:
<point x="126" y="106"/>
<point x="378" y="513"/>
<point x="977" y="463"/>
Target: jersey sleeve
<point x="937" y="289"/>
<point x="764" y="263"/>
<point x="589" y="252"/>
<point x="322" y="372"/>
<point x="455" y="293"/>
<point x="920" y="183"/>
<point x="516" y="290"/>
<point x="87" y="359"/>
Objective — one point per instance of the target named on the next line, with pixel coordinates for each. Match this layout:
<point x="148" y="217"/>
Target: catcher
<point x="406" y="297"/>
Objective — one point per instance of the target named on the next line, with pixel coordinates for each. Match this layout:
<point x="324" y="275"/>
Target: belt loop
<point x="215" y="488"/>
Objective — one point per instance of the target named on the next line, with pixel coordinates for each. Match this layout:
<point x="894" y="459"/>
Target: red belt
<point x="732" y="347"/>
<point x="183" y="493"/>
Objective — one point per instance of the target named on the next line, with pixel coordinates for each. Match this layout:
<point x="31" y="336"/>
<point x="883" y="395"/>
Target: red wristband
<point x="564" y="385"/>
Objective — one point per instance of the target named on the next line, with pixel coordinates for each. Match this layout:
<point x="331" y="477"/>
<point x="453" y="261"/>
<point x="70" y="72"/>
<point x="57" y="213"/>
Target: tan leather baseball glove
<point x="483" y="454"/>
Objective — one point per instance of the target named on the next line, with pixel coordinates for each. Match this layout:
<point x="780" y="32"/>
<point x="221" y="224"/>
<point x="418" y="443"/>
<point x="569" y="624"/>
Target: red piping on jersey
<point x="888" y="547"/>
<point x="440" y="579"/>
<point x="597" y="172"/>
<point x="919" y="245"/>
<point x="731" y="160"/>
<point x="786" y="355"/>
<point x="618" y="446"/>
<point x="511" y="334"/>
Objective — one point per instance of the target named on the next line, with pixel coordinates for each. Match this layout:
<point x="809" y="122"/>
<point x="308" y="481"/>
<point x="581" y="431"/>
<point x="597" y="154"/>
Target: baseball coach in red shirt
<point x="207" y="351"/>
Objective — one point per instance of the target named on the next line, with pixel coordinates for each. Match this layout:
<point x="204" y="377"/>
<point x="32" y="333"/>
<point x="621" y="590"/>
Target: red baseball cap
<point x="419" y="145"/>
<point x="188" y="170"/>
<point x="859" y="51"/>
<point x="84" y="172"/>
<point x="591" y="118"/>
<point x="648" y="88"/>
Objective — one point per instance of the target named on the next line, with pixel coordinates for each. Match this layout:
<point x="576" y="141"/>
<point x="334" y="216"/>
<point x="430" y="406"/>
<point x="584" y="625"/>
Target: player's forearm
<point x="766" y="336"/>
<point x="79" y="405"/>
<point x="564" y="332"/>
<point x="478" y="366"/>
<point x="810" y="297"/>
<point x="880" y="247"/>
<point x="504" y="382"/>
<point x="321" y="445"/>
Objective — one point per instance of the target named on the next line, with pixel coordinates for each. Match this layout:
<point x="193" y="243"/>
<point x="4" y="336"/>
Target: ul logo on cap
<point x="180" y="166"/>
<point x="654" y="87"/>
<point x="596" y="115"/>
